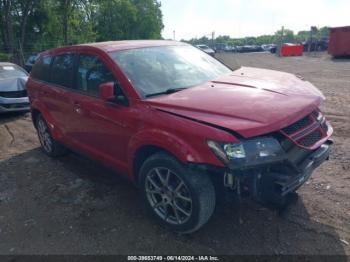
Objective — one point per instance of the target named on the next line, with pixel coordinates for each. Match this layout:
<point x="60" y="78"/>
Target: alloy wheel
<point x="168" y="195"/>
<point x="44" y="136"/>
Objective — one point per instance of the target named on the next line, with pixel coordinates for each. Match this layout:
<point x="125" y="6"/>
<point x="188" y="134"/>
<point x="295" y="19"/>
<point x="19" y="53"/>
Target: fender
<point x="54" y="129"/>
<point x="175" y="145"/>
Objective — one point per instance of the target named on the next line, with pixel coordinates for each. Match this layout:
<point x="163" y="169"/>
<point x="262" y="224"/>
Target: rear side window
<point x="91" y="73"/>
<point x="41" y="70"/>
<point x="62" y="70"/>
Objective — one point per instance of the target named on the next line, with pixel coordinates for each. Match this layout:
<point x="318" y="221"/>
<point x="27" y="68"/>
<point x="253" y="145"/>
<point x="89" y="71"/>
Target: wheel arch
<point x="142" y="154"/>
<point x="147" y="143"/>
<point x="39" y="109"/>
<point x="35" y="113"/>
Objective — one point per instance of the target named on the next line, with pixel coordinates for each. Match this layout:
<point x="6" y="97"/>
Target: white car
<point x="206" y="49"/>
<point x="13" y="94"/>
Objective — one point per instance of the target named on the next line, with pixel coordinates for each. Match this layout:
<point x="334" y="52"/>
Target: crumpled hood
<point x="249" y="101"/>
<point x="13" y="84"/>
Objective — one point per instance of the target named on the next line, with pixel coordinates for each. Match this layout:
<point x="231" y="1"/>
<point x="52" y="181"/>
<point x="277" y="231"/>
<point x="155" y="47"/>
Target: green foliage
<point x="148" y="19"/>
<point x="125" y="19"/>
<point x="203" y="40"/>
<point x="4" y="57"/>
<point x="115" y="20"/>
<point x="53" y="23"/>
<point x="288" y="37"/>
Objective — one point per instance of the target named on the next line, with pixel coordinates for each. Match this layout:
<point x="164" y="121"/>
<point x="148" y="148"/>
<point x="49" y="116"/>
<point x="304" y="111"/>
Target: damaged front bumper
<point x="14" y="104"/>
<point x="305" y="169"/>
<point x="273" y="182"/>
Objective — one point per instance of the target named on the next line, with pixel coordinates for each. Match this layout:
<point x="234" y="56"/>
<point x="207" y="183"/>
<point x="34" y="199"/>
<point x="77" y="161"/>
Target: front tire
<point x="178" y="198"/>
<point x="49" y="145"/>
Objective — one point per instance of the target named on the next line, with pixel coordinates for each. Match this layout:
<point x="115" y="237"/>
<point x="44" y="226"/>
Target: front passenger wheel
<point x="50" y="146"/>
<point x="179" y="198"/>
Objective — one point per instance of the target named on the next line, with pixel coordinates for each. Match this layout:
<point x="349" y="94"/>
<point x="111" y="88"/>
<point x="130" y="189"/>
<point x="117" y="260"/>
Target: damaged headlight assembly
<point x="250" y="152"/>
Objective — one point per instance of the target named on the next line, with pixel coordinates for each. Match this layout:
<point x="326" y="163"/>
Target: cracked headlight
<point x="249" y="152"/>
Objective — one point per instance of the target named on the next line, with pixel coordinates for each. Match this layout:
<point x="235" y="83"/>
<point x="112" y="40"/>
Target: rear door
<point x="37" y="84"/>
<point x="56" y="92"/>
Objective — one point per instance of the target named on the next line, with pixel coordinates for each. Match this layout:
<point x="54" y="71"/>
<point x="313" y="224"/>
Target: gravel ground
<point x="72" y="205"/>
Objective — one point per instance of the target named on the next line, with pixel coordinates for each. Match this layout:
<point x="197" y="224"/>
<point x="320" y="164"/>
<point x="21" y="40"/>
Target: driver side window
<point x="91" y="73"/>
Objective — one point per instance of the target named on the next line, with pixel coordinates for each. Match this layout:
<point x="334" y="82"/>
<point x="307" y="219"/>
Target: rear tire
<point x="49" y="145"/>
<point x="180" y="199"/>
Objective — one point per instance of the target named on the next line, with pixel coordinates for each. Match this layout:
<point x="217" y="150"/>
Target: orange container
<point x="292" y="50"/>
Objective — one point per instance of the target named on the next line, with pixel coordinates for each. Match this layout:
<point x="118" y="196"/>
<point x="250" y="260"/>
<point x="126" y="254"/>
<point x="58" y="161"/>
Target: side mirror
<point x="111" y="92"/>
<point x="122" y="100"/>
<point x="106" y="91"/>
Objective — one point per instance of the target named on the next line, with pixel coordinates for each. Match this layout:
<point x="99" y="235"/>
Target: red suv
<point x="180" y="124"/>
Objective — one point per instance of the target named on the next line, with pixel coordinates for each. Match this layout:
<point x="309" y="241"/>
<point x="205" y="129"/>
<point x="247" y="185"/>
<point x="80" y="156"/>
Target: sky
<point x="240" y="18"/>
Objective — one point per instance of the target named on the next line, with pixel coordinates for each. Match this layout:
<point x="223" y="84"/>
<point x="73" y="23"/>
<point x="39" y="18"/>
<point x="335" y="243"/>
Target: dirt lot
<point x="71" y="205"/>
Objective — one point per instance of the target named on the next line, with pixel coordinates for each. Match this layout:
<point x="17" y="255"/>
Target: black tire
<point x="49" y="145"/>
<point x="197" y="187"/>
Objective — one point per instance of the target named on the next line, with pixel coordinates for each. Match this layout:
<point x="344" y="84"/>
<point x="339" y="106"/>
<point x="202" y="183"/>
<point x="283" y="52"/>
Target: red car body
<point x="248" y="103"/>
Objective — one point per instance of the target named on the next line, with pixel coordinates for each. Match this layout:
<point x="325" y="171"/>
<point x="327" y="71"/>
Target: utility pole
<point x="313" y="31"/>
<point x="174" y="35"/>
<point x="212" y="39"/>
<point x="279" y="47"/>
<point x="310" y="41"/>
<point x="21" y="58"/>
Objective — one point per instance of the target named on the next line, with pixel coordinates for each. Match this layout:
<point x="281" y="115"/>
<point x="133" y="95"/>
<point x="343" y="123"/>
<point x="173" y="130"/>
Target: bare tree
<point x="7" y="25"/>
<point x="25" y="7"/>
<point x="14" y="17"/>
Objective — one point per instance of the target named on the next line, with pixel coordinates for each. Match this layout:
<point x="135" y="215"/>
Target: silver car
<point x="13" y="94"/>
<point x="206" y="49"/>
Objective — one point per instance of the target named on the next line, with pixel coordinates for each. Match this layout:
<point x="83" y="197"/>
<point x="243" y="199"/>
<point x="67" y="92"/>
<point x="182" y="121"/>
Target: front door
<point x="101" y="129"/>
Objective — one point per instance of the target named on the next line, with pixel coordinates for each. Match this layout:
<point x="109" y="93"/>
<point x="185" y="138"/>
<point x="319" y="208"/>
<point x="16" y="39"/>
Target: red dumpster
<point x="339" y="41"/>
<point x="292" y="50"/>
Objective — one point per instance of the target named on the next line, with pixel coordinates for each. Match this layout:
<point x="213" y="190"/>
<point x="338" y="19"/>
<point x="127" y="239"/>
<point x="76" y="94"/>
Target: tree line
<point x="288" y="36"/>
<point x="31" y="26"/>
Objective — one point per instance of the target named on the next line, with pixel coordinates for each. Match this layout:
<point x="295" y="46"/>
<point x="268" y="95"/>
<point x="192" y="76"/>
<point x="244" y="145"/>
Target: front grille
<point x="307" y="131"/>
<point x="14" y="94"/>
<point x="15" y="106"/>
<point x="310" y="139"/>
<point x="297" y="125"/>
<point x="325" y="127"/>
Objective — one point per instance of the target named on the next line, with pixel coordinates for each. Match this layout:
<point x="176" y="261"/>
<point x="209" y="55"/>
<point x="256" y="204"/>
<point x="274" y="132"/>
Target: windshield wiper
<point x="168" y="91"/>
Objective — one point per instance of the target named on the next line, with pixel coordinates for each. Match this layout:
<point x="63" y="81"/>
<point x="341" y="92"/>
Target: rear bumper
<point x="14" y="104"/>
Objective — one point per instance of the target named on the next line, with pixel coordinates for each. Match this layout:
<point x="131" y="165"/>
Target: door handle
<point x="77" y="108"/>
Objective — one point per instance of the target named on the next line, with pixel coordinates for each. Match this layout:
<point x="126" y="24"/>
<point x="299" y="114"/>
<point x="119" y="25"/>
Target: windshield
<point x="156" y="70"/>
<point x="10" y="71"/>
